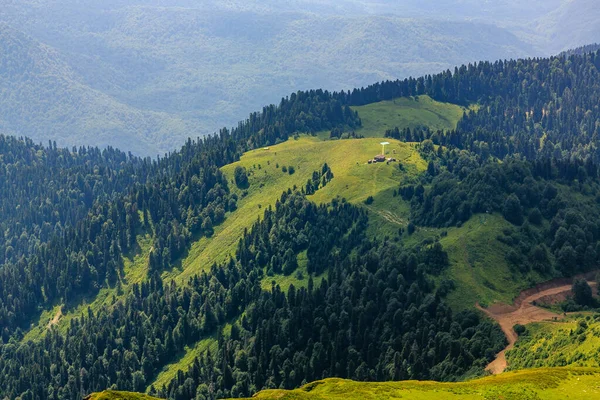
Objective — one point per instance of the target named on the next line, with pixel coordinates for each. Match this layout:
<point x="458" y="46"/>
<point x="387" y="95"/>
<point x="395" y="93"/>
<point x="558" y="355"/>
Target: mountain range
<point x="144" y="75"/>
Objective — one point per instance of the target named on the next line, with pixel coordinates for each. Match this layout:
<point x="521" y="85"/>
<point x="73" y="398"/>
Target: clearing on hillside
<point x="269" y="175"/>
<point x="184" y="361"/>
<point x="535" y="384"/>
<point x="478" y="264"/>
<point x="408" y="112"/>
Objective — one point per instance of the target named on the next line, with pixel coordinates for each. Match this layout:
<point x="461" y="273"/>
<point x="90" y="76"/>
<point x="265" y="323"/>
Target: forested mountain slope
<point x="354" y="270"/>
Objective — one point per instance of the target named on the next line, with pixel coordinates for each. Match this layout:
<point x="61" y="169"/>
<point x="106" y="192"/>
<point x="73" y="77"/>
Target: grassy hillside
<point x="299" y="278"/>
<point x="354" y="180"/>
<point x="571" y="342"/>
<point x="408" y="112"/>
<point x="540" y="384"/>
<point x="114" y="395"/>
<point x="478" y="264"/>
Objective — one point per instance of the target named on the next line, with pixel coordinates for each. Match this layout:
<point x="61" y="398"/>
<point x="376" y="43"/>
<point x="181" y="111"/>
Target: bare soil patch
<point x="523" y="312"/>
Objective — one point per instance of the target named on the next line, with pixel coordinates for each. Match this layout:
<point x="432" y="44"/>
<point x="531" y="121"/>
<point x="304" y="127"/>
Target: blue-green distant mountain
<point x="146" y="74"/>
<point x="44" y="98"/>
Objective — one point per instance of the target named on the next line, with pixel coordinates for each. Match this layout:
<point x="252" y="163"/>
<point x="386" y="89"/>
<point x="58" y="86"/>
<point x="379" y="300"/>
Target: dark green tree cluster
<point x="538" y="108"/>
<point x="308" y="112"/>
<point x="63" y="228"/>
<point x="318" y="180"/>
<point x="86" y="246"/>
<point x="295" y="225"/>
<point x="550" y="232"/>
<point x="240" y="176"/>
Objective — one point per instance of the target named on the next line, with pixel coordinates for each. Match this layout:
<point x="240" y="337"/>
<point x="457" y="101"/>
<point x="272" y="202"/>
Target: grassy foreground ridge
<point x="538" y="384"/>
<point x="532" y="384"/>
<point x="114" y="395"/>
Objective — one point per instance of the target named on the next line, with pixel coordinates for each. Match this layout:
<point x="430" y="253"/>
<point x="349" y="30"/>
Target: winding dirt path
<point x="391" y="217"/>
<point x="524" y="312"/>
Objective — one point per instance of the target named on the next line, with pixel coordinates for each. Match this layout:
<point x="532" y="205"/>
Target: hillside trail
<point x="394" y="218"/>
<point x="524" y="312"/>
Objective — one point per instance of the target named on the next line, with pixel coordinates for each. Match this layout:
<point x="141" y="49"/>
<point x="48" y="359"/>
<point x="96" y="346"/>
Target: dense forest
<point x="371" y="309"/>
<point x="83" y="208"/>
<point x="375" y="316"/>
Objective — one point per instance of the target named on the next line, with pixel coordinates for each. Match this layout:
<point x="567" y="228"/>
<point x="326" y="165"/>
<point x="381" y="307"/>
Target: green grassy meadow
<point x="184" y="361"/>
<point x="299" y="278"/>
<point x="478" y="264"/>
<point x="536" y="384"/>
<point x="408" y="112"/>
<point x="354" y="180"/>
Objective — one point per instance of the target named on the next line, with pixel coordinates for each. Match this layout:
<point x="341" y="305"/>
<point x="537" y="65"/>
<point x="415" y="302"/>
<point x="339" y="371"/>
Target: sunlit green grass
<point x="354" y="180"/>
<point x="408" y="112"/>
<point x="299" y="278"/>
<point x="541" y="384"/>
<point x="478" y="264"/>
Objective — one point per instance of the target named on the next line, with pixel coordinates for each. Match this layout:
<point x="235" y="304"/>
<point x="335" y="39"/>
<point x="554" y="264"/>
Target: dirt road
<point x="523" y="312"/>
